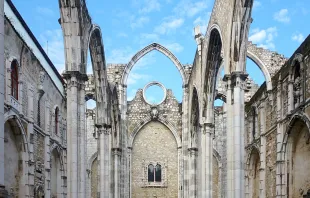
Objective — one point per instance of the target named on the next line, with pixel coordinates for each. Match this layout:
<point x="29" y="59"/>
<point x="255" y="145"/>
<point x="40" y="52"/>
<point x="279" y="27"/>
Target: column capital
<point x="78" y="75"/>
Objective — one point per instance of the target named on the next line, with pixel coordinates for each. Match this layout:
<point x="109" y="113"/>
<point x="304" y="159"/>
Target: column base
<point x="3" y="193"/>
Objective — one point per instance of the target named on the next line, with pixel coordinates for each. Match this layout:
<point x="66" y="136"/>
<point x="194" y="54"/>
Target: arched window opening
<point x="158" y="173"/>
<point x="150" y="173"/>
<point x="14" y="79"/>
<point x="214" y="59"/>
<point x="56" y="119"/>
<point x="255" y="79"/>
<point x="154" y="174"/>
<point x="253" y="122"/>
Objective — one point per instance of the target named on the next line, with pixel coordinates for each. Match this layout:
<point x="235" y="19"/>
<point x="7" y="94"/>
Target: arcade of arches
<point x="51" y="145"/>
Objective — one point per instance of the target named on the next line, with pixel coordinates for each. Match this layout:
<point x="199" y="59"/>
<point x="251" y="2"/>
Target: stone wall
<point x="275" y="114"/>
<point x="32" y="114"/>
<point x="154" y="143"/>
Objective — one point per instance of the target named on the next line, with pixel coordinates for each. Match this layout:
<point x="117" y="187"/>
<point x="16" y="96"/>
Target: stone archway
<point x="146" y="50"/>
<point x="15" y="156"/>
<point x="296" y="150"/>
<point x="56" y="168"/>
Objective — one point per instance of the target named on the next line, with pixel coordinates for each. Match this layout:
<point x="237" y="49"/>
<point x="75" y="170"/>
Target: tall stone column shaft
<point x="206" y="155"/>
<point x="235" y="135"/>
<point x="72" y="134"/>
<point x="105" y="162"/>
<point x="238" y="134"/>
<point x="117" y="158"/>
<point x="192" y="172"/>
<point x="280" y="163"/>
<point x="82" y="140"/>
<point x="2" y="66"/>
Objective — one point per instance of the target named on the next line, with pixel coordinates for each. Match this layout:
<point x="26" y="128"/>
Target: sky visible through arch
<point x="128" y="26"/>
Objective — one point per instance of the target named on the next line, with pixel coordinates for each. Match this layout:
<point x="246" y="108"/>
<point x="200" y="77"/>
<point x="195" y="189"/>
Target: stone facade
<point x="255" y="145"/>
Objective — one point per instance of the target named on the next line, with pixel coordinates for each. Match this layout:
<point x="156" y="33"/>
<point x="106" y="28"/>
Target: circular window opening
<point x="154" y="93"/>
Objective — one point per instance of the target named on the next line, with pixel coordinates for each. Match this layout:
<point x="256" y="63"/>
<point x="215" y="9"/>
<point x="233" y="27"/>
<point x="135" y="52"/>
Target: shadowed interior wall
<point x="154" y="143"/>
<point x="300" y="162"/>
<point x="94" y="178"/>
<point x="12" y="171"/>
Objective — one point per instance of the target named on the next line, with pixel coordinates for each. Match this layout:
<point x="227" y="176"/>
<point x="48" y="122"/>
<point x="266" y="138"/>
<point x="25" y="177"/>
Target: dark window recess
<point x="14" y="79"/>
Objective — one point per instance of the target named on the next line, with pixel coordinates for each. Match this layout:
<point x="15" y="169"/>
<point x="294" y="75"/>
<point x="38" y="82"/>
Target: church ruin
<point x="255" y="145"/>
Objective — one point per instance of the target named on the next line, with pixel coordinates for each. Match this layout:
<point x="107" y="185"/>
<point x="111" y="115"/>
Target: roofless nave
<point x="257" y="145"/>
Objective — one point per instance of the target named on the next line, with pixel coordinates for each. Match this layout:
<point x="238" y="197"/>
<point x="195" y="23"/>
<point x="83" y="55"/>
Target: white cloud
<point x="133" y="78"/>
<point x="264" y="38"/>
<point x="202" y="21"/>
<point x="44" y="11"/>
<point x="122" y="55"/>
<point x="190" y="8"/>
<point x="282" y="16"/>
<point x="54" y="48"/>
<point x="149" y="6"/>
<point x="138" y="22"/>
<point x="298" y="37"/>
<point x="174" y="47"/>
<point x="170" y="25"/>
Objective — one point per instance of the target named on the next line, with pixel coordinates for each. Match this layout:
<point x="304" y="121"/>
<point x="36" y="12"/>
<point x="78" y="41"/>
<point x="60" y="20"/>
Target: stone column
<point x="185" y="144"/>
<point x="180" y="171"/>
<point x="290" y="99"/>
<point x="82" y="159"/>
<point x="105" y="162"/>
<point x="230" y="139"/>
<point x="72" y="134"/>
<point x="280" y="164"/>
<point x="47" y="167"/>
<point x="30" y="132"/>
<point x="235" y="135"/>
<point x="117" y="158"/>
<point x="206" y="159"/>
<point x="3" y="192"/>
<point x="192" y="172"/>
<point x="262" y="170"/>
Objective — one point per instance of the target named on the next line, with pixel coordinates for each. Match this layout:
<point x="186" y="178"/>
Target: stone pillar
<point x="180" y="171"/>
<point x="262" y="170"/>
<point x="207" y="155"/>
<point x="105" y="162"/>
<point x="47" y="167"/>
<point x="76" y="134"/>
<point x="235" y="135"/>
<point x="3" y="192"/>
<point x="280" y="164"/>
<point x="82" y="159"/>
<point x="30" y="132"/>
<point x="230" y="140"/>
<point x="117" y="158"/>
<point x="192" y="172"/>
<point x="185" y="142"/>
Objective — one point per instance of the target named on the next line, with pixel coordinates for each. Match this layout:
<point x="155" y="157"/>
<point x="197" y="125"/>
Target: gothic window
<point x="253" y="123"/>
<point x="158" y="173"/>
<point x="56" y="119"/>
<point x="14" y="79"/>
<point x="154" y="174"/>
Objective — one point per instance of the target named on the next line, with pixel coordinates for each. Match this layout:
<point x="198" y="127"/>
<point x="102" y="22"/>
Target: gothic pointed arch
<point x="160" y="119"/>
<point x="146" y="50"/>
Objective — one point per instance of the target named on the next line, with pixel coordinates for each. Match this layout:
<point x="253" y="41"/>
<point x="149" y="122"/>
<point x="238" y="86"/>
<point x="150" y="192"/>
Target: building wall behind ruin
<point x="154" y="143"/>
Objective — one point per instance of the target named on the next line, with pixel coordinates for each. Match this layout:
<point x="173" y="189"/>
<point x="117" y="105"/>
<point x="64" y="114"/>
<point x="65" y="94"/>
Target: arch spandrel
<point x="146" y="50"/>
<point x="268" y="61"/>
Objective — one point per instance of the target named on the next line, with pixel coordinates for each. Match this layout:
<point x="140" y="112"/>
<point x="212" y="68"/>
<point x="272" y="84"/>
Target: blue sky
<point x="128" y="26"/>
